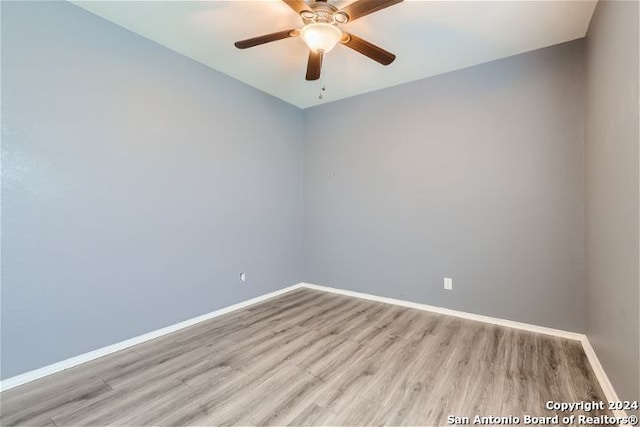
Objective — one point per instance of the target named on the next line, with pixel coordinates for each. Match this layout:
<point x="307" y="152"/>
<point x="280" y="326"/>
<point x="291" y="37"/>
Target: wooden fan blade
<point x="314" y="65"/>
<point x="243" y="44"/>
<point x="360" y="8"/>
<point x="297" y="5"/>
<point x="372" y="51"/>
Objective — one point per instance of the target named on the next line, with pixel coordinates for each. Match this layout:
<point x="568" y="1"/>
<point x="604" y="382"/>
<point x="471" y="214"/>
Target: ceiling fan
<point x="321" y="32"/>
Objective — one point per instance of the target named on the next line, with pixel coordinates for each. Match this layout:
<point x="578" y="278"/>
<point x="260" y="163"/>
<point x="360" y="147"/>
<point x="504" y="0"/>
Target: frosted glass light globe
<point x="320" y="36"/>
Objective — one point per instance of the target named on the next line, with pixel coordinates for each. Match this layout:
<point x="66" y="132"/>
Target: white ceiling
<point x="428" y="37"/>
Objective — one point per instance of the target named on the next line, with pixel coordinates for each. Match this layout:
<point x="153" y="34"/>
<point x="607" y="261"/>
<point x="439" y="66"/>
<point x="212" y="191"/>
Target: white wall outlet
<point x="243" y="277"/>
<point x="448" y="283"/>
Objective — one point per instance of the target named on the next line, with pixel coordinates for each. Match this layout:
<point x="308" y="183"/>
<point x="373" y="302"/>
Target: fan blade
<point x="297" y="5"/>
<point x="314" y="66"/>
<point x="360" y="8"/>
<point x="374" y="52"/>
<point x="243" y="44"/>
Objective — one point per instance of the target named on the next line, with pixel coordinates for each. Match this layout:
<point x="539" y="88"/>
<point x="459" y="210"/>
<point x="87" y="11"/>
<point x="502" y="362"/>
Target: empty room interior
<point x="320" y="213"/>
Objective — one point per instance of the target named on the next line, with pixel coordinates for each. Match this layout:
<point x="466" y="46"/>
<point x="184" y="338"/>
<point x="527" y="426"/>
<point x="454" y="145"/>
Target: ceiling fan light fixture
<point x="320" y="36"/>
<point x="321" y="33"/>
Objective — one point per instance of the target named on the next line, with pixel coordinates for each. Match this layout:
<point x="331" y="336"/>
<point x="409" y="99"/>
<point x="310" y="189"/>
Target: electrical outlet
<point x="243" y="277"/>
<point x="448" y="283"/>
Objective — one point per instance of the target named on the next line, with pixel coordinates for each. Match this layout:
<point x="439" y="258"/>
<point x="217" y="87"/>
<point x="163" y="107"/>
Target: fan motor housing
<point x="324" y="12"/>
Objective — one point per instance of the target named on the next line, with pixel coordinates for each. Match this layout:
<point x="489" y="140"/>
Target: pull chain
<point x="322" y="89"/>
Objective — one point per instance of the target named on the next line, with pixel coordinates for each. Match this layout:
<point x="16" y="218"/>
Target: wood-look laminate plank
<point x="578" y="376"/>
<point x="175" y="401"/>
<point x="261" y="364"/>
<point x="40" y="408"/>
<point x="103" y="410"/>
<point x="312" y="415"/>
<point x="217" y="405"/>
<point x="253" y="324"/>
<point x="231" y="322"/>
<point x="333" y="360"/>
<point x="420" y="390"/>
<point x="173" y="366"/>
<point x="355" y="382"/>
<point x="313" y="358"/>
<point x="443" y="391"/>
<point x="488" y="373"/>
<point x="393" y="381"/>
<point x="278" y="404"/>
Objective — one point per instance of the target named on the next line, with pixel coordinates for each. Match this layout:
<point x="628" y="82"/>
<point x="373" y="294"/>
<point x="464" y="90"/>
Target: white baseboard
<point x="605" y="384"/>
<point x="27" y="377"/>
<point x="470" y="316"/>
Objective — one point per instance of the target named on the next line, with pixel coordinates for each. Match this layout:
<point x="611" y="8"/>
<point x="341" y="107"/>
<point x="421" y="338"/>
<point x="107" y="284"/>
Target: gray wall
<point x="136" y="186"/>
<point x="476" y="175"/>
<point x="613" y="316"/>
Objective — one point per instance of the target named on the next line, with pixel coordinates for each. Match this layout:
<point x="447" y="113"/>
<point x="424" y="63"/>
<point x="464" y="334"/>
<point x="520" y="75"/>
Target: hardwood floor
<point x="314" y="358"/>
